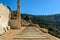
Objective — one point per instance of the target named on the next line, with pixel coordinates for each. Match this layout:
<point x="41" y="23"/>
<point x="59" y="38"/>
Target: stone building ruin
<point x="15" y="21"/>
<point x="9" y="19"/>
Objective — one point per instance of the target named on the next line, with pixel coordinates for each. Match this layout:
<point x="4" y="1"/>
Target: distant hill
<point x="51" y="22"/>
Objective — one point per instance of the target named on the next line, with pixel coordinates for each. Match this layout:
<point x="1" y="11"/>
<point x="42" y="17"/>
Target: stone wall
<point x="15" y="21"/>
<point x="4" y="18"/>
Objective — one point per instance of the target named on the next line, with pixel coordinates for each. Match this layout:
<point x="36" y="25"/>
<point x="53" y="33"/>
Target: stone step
<point x="30" y="39"/>
<point x="31" y="33"/>
<point x="31" y="36"/>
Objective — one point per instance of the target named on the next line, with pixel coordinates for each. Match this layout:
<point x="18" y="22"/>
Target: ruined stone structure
<point x="15" y="21"/>
<point x="9" y="19"/>
<point x="4" y="18"/>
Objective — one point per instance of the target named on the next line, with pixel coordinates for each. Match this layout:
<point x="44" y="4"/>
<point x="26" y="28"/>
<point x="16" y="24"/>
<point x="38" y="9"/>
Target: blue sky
<point x="35" y="7"/>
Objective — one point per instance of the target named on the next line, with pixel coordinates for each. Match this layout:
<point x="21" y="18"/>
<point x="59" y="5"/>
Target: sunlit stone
<point x="4" y="18"/>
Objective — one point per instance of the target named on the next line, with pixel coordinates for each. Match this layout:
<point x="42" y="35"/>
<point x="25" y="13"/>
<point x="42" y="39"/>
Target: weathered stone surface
<point x="4" y="18"/>
<point x="1" y="30"/>
<point x="24" y="23"/>
<point x="44" y="30"/>
<point x="15" y="21"/>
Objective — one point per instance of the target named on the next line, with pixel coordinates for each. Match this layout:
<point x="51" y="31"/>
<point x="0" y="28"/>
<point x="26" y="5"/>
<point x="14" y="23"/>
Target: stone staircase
<point x="27" y="33"/>
<point x="31" y="33"/>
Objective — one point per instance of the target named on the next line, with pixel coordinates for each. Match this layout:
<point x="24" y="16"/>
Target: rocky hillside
<point x="51" y="22"/>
